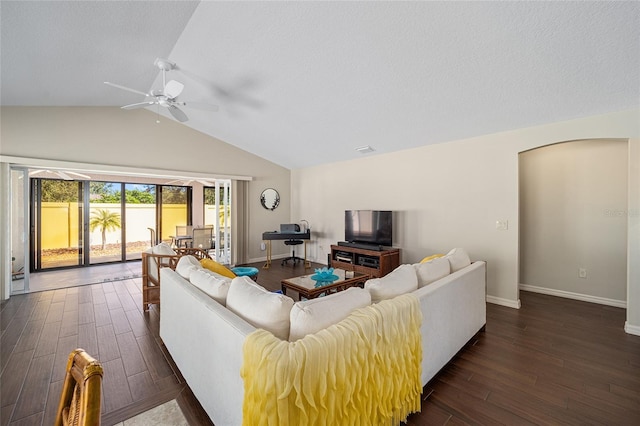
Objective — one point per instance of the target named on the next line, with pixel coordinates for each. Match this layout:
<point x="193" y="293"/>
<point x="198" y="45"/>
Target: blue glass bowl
<point x="324" y="277"/>
<point x="324" y="274"/>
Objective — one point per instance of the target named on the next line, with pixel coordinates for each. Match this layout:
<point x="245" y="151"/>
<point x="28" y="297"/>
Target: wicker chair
<point x="80" y="398"/>
<point x="151" y="264"/>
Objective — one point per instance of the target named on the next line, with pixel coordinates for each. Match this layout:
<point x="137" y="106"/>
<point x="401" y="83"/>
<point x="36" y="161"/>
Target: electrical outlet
<point x="263" y="246"/>
<point x="582" y="273"/>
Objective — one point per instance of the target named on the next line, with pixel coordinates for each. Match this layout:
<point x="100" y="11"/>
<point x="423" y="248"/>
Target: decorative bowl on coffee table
<point x="324" y="276"/>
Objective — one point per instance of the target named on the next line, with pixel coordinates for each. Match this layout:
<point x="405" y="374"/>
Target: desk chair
<point x="293" y="256"/>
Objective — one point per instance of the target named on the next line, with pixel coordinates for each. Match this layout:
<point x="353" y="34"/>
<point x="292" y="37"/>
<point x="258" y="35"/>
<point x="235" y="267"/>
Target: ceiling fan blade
<point x="79" y="175"/>
<point x="173" y="89"/>
<point x="201" y="105"/>
<point x="63" y="175"/>
<point x="138" y="105"/>
<point x="117" y="86"/>
<point x="179" y="182"/>
<point x="178" y="114"/>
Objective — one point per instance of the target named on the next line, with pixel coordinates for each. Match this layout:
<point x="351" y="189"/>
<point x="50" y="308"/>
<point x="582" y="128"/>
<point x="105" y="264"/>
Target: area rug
<point x="167" y="414"/>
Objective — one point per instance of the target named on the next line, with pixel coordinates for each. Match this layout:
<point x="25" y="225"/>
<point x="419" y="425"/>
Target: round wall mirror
<point x="270" y="199"/>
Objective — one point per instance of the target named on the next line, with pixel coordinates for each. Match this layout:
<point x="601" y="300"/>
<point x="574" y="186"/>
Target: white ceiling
<point x="305" y="83"/>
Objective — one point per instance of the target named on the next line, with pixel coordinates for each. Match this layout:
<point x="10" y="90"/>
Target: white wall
<point x="447" y="195"/>
<point x="573" y="214"/>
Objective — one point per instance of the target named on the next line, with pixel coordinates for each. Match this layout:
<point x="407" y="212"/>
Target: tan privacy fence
<point x="60" y="223"/>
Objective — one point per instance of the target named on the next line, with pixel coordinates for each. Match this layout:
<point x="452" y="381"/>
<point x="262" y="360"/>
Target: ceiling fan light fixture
<point x="164" y="64"/>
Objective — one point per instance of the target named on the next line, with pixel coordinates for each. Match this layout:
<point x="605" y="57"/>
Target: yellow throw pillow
<point x="433" y="256"/>
<point x="216" y="267"/>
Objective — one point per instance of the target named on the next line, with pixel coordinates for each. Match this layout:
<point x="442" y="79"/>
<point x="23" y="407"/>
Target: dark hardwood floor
<point x="554" y="361"/>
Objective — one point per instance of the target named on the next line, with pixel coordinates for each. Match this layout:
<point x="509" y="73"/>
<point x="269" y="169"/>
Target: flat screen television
<point x="373" y="227"/>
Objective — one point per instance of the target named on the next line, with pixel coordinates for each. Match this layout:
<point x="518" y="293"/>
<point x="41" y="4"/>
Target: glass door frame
<point x="24" y="230"/>
<point x="119" y="186"/>
<point x="35" y="224"/>
<point x="222" y="216"/>
<point x="159" y="204"/>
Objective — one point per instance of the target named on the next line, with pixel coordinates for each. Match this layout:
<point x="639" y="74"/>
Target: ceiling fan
<point x="59" y="174"/>
<point x="167" y="96"/>
<point x="187" y="182"/>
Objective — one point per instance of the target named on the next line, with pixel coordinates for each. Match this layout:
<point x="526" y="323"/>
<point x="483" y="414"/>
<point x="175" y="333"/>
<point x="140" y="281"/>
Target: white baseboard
<point x="631" y="329"/>
<point x="264" y="259"/>
<point x="504" y="302"/>
<point x="575" y="296"/>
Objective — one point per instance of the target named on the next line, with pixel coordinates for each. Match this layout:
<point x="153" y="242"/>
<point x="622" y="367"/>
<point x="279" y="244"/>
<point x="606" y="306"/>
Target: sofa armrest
<point x="205" y="340"/>
<point x="453" y="309"/>
<point x="151" y="265"/>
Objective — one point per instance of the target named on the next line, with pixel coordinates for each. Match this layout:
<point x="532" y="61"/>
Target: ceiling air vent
<point x="365" y="149"/>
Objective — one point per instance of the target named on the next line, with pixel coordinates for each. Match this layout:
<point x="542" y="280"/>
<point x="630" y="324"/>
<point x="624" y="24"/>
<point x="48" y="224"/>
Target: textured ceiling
<point x="305" y="83"/>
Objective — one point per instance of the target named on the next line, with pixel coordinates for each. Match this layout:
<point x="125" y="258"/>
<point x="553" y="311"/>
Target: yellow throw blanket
<point x="364" y="370"/>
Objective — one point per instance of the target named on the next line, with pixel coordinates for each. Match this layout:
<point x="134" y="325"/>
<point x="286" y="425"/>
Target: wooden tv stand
<point x="376" y="263"/>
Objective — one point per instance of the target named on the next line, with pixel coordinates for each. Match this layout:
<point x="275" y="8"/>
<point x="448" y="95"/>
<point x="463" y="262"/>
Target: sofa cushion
<point x="433" y="270"/>
<point x="211" y="283"/>
<point x="218" y="268"/>
<point x="311" y="316"/>
<point x="152" y="265"/>
<point x="401" y="280"/>
<point x="458" y="259"/>
<point x="186" y="264"/>
<point x="259" y="307"/>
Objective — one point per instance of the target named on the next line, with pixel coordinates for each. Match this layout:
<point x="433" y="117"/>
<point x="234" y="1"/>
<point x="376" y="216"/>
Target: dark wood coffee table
<point x="306" y="287"/>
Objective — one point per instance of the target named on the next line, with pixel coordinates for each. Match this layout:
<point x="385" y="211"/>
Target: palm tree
<point x="106" y="221"/>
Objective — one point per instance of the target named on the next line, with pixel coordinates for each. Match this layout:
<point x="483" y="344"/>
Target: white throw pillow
<point x="311" y="316"/>
<point x="163" y="248"/>
<point x="401" y="280"/>
<point x="211" y="283"/>
<point x="432" y="270"/>
<point x="458" y="259"/>
<point x="260" y="307"/>
<point x="186" y="264"/>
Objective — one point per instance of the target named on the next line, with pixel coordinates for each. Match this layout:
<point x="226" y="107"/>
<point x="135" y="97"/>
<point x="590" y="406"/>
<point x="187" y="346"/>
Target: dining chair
<point x="203" y="239"/>
<point x="183" y="235"/>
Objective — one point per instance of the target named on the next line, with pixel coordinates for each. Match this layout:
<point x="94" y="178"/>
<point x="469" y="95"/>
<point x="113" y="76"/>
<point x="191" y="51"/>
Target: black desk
<point x="275" y="235"/>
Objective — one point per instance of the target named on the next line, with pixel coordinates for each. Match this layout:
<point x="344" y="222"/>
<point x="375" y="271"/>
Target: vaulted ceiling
<point x="305" y="83"/>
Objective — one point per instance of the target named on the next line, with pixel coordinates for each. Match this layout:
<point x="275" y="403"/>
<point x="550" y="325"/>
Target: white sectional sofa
<point x="206" y="339"/>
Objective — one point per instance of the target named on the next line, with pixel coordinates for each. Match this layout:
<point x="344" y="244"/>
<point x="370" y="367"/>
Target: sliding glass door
<point x="78" y="223"/>
<point x="217" y="212"/>
<point x="57" y="235"/>
<point x="139" y="218"/>
<point x="174" y="210"/>
<point x="105" y="222"/>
